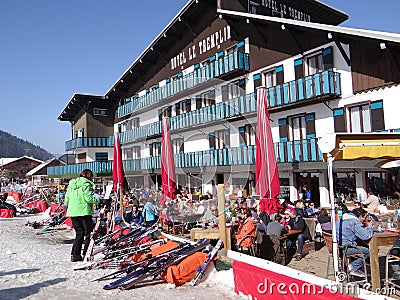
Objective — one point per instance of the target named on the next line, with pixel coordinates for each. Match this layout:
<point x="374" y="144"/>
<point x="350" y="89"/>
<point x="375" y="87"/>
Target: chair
<point x="392" y="257"/>
<point x="346" y="260"/>
<point x="247" y="243"/>
<point x="329" y="245"/>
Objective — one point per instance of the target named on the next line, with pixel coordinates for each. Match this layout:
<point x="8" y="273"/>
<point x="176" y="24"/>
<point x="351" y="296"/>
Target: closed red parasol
<point x="168" y="186"/>
<point x="117" y="170"/>
<point x="267" y="178"/>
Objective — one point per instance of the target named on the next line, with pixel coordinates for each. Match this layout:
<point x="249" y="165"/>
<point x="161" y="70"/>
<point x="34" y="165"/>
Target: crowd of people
<point x="141" y="207"/>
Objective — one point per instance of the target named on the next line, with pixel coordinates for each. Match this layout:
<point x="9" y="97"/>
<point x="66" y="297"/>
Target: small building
<point x="18" y="167"/>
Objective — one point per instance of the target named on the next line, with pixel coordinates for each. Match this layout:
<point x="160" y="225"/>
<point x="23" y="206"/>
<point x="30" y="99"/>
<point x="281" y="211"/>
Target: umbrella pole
<point x="333" y="217"/>
<point x="121" y="203"/>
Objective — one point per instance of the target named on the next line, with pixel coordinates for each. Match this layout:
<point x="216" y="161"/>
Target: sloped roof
<point x="41" y="166"/>
<point x="7" y="161"/>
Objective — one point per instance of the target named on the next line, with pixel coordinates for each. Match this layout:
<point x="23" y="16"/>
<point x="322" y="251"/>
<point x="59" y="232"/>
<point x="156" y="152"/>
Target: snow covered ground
<point x="38" y="267"/>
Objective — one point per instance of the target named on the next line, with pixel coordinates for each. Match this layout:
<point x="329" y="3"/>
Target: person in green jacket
<point x="79" y="199"/>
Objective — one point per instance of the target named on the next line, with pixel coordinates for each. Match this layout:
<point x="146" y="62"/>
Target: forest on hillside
<point x="12" y="146"/>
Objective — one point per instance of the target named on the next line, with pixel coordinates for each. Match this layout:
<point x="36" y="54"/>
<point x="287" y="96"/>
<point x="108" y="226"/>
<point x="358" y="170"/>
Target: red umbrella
<point x="168" y="186"/>
<point x="267" y="178"/>
<point x="117" y="170"/>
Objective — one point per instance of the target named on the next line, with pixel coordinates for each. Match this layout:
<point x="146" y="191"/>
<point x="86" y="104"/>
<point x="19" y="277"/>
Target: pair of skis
<point x="200" y="272"/>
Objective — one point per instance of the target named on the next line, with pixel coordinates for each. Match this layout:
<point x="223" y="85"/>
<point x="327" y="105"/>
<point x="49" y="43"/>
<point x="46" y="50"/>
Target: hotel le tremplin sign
<point x="217" y="38"/>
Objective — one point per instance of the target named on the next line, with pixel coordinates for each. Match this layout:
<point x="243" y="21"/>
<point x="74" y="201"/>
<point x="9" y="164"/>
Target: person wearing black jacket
<point x="297" y="222"/>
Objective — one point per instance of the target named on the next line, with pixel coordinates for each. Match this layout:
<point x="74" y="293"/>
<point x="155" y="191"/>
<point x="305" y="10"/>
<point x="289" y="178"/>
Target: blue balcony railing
<point x="229" y="63"/>
<point x="286" y="152"/>
<point x="87" y="142"/>
<point x="322" y="84"/>
<point x="317" y="85"/>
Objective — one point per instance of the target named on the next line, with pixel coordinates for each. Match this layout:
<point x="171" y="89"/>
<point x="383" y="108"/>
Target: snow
<point x="38" y="267"/>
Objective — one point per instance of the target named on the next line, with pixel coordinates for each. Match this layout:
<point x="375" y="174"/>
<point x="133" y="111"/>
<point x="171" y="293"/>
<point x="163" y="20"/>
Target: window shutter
<point x="327" y="58"/>
<point x="211" y="97"/>
<point x="279" y="75"/>
<point x="310" y="125"/>
<point x="242" y="136"/>
<point x="211" y="139"/>
<point x="377" y="116"/>
<point x="227" y="138"/>
<point x="225" y="92"/>
<point x="257" y="81"/>
<point x="242" y="87"/>
<point x="283" y="130"/>
<point x="188" y="105"/>
<point x="339" y="120"/>
<point x="198" y="102"/>
<point x="298" y="68"/>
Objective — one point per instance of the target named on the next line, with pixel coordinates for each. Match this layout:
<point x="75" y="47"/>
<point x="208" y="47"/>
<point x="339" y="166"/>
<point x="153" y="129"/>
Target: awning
<point x="351" y="146"/>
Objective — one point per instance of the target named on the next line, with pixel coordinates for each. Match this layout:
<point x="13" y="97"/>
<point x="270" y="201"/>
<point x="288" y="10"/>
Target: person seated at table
<point x="299" y="207"/>
<point x="352" y="227"/>
<point x="210" y="216"/>
<point x="297" y="222"/>
<point x="275" y="227"/>
<point x="246" y="228"/>
<point x="262" y="224"/>
<point x="137" y="217"/>
<point x="325" y="221"/>
<point x="310" y="210"/>
<point x="371" y="202"/>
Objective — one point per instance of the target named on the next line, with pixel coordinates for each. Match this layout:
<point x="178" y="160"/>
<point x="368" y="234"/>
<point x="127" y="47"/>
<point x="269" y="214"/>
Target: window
<point x="99" y="112"/>
<point x="234" y="90"/>
<point x="205" y="99"/>
<point x="360" y="118"/>
<point x="315" y="64"/>
<point x="178" y="145"/>
<point x="165" y="112"/>
<point x="219" y="139"/>
<point x="183" y="106"/>
<point x="80" y="133"/>
<point x="232" y="49"/>
<point x="132" y="152"/>
<point x="247" y="135"/>
<point x="131" y="123"/>
<point x="270" y="79"/>
<point x="155" y="148"/>
<point x="101" y="156"/>
<point x="297" y="128"/>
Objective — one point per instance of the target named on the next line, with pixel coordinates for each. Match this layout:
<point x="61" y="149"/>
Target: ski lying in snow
<point x="202" y="270"/>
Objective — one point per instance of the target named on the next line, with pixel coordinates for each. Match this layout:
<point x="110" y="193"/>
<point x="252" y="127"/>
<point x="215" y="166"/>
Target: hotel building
<point x="202" y="72"/>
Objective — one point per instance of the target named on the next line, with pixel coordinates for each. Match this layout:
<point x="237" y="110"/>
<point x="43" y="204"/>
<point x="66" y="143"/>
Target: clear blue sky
<point x="53" y="49"/>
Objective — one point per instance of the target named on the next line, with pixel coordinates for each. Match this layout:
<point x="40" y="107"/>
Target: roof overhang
<point x="308" y="26"/>
<point x="78" y="104"/>
<point x="352" y="146"/>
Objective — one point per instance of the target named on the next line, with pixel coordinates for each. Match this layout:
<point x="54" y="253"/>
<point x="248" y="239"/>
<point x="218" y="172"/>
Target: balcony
<point x="320" y="85"/>
<point x="286" y="152"/>
<point x="236" y="61"/>
<point x="317" y="86"/>
<point x="89" y="142"/>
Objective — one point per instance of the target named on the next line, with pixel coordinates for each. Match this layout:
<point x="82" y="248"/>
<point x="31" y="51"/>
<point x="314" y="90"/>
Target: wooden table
<point x="197" y="234"/>
<point x="377" y="240"/>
